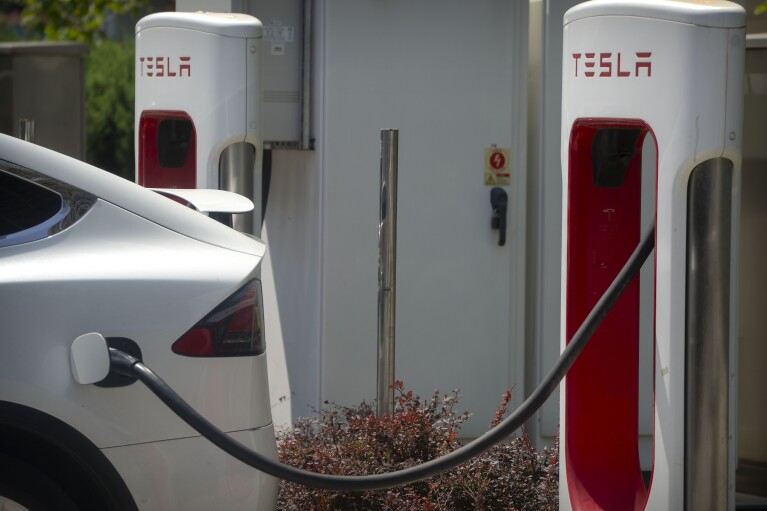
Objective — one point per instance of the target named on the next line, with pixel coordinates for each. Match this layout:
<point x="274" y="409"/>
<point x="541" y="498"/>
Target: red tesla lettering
<point x="644" y="64"/>
<point x="576" y="56"/>
<point x="160" y="66"/>
<point x="186" y="65"/>
<point x="605" y="64"/>
<point x="610" y="67"/>
<point x="170" y="73"/>
<point x="621" y="74"/>
<point x="590" y="64"/>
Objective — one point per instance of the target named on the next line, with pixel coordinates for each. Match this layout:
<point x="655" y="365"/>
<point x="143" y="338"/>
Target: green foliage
<point x="73" y="20"/>
<point x="761" y="8"/>
<point x="110" y="103"/>
<point x="353" y="441"/>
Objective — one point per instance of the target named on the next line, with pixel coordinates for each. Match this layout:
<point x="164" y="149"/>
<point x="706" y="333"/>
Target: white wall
<point x="443" y="73"/>
<point x="291" y="274"/>
<point x="450" y="76"/>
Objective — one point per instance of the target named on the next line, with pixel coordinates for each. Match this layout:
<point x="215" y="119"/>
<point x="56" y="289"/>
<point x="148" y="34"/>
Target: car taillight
<point x="233" y="329"/>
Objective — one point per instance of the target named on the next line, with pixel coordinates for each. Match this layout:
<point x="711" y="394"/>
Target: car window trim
<point x="75" y="203"/>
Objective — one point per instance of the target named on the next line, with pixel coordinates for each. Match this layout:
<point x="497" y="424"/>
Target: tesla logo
<point x="159" y="67"/>
<point x="610" y="65"/>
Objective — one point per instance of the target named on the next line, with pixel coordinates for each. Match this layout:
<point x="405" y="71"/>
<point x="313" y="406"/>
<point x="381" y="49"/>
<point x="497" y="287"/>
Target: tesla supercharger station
<point x="651" y="127"/>
<point x="198" y="105"/>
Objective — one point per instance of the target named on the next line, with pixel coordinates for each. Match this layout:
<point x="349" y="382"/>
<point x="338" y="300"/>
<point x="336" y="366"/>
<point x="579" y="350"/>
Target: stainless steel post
<point x="236" y="173"/>
<point x="709" y="220"/>
<point x="387" y="271"/>
<point x="27" y="129"/>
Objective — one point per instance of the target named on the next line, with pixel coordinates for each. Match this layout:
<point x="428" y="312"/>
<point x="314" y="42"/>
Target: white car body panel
<point x="209" y="201"/>
<point x="139" y="266"/>
<point x="221" y="483"/>
<point x="126" y="194"/>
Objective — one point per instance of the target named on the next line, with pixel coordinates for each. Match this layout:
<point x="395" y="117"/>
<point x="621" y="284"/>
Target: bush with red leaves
<point x="353" y="441"/>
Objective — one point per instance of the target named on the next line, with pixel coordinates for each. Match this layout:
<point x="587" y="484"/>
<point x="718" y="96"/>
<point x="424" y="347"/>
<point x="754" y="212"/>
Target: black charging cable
<point x="126" y="364"/>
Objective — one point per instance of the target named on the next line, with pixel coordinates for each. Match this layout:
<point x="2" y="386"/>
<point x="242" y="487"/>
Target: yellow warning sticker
<point x="497" y="166"/>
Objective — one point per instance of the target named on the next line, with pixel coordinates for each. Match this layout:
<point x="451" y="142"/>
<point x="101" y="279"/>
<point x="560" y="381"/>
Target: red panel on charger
<point x="602" y="394"/>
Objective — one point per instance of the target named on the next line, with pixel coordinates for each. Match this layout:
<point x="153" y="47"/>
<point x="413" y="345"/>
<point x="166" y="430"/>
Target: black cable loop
<point x="126" y="364"/>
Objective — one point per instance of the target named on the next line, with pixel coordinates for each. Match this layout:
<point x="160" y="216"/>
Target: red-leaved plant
<point x="352" y="441"/>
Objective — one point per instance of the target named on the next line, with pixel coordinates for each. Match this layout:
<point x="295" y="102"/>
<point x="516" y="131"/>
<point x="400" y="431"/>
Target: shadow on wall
<point x="291" y="282"/>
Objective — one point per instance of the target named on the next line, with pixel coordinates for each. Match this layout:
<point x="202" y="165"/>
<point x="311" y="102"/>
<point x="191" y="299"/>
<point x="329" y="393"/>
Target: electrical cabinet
<point x="45" y="82"/>
<point x="284" y="65"/>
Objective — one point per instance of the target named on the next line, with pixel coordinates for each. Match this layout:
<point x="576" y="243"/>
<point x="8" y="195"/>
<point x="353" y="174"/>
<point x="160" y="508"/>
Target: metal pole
<point x="387" y="271"/>
<point x="27" y="130"/>
<point x="306" y="76"/>
<point x="707" y="364"/>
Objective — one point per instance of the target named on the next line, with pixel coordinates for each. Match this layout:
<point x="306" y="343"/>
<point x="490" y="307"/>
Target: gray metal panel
<point x="45" y="82"/>
<point x="45" y="48"/>
<point x="754" y="41"/>
<point x="752" y="378"/>
<point x="281" y="65"/>
<point x="709" y="220"/>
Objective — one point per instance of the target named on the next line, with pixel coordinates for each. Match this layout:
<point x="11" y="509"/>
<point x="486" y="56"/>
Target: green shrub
<point x="73" y="20"/>
<point x="109" y="95"/>
<point x="353" y="441"/>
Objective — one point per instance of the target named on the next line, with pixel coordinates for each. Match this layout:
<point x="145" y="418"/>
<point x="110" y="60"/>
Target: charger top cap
<point x="704" y="13"/>
<point x="225" y="24"/>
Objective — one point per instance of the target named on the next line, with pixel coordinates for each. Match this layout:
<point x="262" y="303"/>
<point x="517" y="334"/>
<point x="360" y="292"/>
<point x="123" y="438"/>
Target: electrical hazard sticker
<point x="497" y="166"/>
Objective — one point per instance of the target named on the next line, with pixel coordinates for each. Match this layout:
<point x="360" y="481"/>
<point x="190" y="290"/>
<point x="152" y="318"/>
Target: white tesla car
<point x="83" y="251"/>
